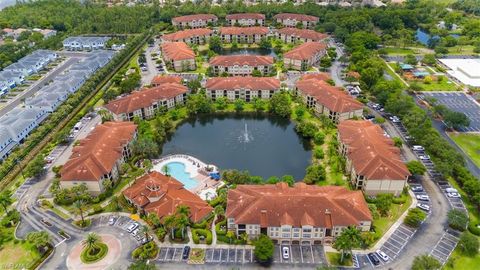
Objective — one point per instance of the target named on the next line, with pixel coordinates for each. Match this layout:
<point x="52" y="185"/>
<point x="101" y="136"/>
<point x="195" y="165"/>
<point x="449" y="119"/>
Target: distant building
<point x="81" y="43"/>
<point x="327" y="100"/>
<point x="292" y="20"/>
<point x="301" y="214"/>
<point x="146" y="102"/>
<point x="293" y="35"/>
<point x="304" y="56"/>
<point x="159" y="194"/>
<point x="179" y="55"/>
<point x="46" y="33"/>
<point x="244" y="88"/>
<point x="194" y="21"/>
<point x="253" y="34"/>
<point x="245" y="19"/>
<point x="190" y="36"/>
<point x="99" y="156"/>
<point x="161" y="79"/>
<point x="373" y="161"/>
<point x="241" y="65"/>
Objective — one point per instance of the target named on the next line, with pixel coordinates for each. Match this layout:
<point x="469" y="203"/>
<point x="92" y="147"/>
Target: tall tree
<point x="5" y="200"/>
<point x="79" y="208"/>
<point x="91" y="241"/>
<point x="349" y="239"/>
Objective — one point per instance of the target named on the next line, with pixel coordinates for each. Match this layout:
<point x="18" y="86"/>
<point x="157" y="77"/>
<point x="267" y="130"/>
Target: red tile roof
<point x="245" y="16"/>
<point x="334" y="98"/>
<point x="145" y="97"/>
<point x="161" y="79"/>
<point x="276" y="205"/>
<point x="298" y="17"/>
<point x="306" y="50"/>
<point x="160" y="194"/>
<point x="180" y="35"/>
<point x="252" y="83"/>
<point x="372" y="154"/>
<point x="177" y="51"/>
<point x="194" y="17"/>
<point x="303" y="33"/>
<point x="252" y="30"/>
<point x="240" y="60"/>
<point x="97" y="154"/>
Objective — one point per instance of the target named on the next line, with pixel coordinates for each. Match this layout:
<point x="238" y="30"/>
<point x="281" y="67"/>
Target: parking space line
<point x="166" y="253"/>
<point x="395" y="243"/>
<point x="313" y="257"/>
<point x="389" y="249"/>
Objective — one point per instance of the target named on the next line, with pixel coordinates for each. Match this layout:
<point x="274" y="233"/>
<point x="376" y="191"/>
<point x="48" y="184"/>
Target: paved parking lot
<point x="120" y="222"/>
<point x="460" y="102"/>
<point x="456" y="203"/>
<point x="300" y="254"/>
<point x="445" y="246"/>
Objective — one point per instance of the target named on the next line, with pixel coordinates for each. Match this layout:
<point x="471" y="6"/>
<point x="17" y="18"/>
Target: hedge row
<point x="205" y="233"/>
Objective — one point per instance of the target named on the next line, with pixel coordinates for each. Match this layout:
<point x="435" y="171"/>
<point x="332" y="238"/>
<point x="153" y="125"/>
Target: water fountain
<point x="246" y="137"/>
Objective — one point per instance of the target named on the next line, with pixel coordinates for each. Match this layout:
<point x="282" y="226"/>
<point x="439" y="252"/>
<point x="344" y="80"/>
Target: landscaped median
<point x="94" y="254"/>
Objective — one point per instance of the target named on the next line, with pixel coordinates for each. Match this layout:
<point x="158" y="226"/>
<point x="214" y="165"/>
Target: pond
<point x="248" y="51"/>
<point x="423" y="37"/>
<point x="263" y="145"/>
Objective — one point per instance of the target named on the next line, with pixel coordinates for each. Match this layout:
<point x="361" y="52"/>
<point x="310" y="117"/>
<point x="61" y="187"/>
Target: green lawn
<point x="443" y="85"/>
<point x="470" y="144"/>
<point x="333" y="258"/>
<point x="21" y="255"/>
<point x="459" y="261"/>
<point x="398" y="51"/>
<point x="382" y="224"/>
<point x="461" y="50"/>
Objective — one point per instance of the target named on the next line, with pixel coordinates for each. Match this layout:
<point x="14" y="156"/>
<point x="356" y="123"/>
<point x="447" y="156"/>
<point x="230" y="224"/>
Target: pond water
<point x="264" y="145"/>
<point x="423" y="37"/>
<point x="248" y="51"/>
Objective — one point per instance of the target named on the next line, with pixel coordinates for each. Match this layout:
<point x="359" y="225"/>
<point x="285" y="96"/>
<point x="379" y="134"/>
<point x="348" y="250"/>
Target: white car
<point x="285" y="253"/>
<point x="424" y="207"/>
<point x="451" y="190"/>
<point x="423" y="197"/>
<point x="132" y="227"/>
<point x="134" y="233"/>
<point x="453" y="195"/>
<point x="418" y="148"/>
<point x="424" y="157"/>
<point x="382" y="255"/>
<point x="111" y="220"/>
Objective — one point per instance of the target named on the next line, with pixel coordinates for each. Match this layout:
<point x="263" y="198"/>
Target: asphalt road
<point x="30" y="91"/>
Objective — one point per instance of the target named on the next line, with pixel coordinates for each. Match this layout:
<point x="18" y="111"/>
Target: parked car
<point x="382" y="255"/>
<point x="424" y="207"/>
<point x="453" y="195"/>
<point x="111" y="220"/>
<point x="186" y="252"/>
<point x="423" y="197"/>
<point x="451" y="190"/>
<point x="135" y="232"/>
<point x="424" y="157"/>
<point x="416" y="188"/>
<point x="132" y="227"/>
<point x="373" y="258"/>
<point x="418" y="148"/>
<point x="285" y="253"/>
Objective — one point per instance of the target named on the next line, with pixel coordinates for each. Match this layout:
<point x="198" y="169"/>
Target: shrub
<point x="414" y="217"/>
<point x="146" y="251"/>
<point x="319" y="138"/>
<point x="87" y="255"/>
<point x="469" y="244"/>
<point x="207" y="234"/>
<point x="318" y="153"/>
<point x="457" y="220"/>
<point x="218" y="229"/>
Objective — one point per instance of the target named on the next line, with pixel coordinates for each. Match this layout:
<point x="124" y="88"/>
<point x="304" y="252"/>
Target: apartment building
<point x="83" y="43"/>
<point x="326" y="99"/>
<point x="194" y="21"/>
<point x="372" y="159"/>
<point x="245" y="19"/>
<point x="241" y="65"/>
<point x="304" y="56"/>
<point x="245" y="88"/>
<point x="301" y="214"/>
<point x="146" y="102"/>
<point x="179" y="56"/>
<point x="253" y="34"/>
<point x="294" y="35"/>
<point x="293" y="20"/>
<point x="190" y="36"/>
<point x="99" y="156"/>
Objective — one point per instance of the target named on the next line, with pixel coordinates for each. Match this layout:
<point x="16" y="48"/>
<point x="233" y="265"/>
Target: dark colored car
<point x="186" y="252"/>
<point x="373" y="258"/>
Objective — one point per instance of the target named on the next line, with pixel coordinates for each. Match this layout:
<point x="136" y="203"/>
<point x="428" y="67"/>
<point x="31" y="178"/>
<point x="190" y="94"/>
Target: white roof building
<point x="467" y="71"/>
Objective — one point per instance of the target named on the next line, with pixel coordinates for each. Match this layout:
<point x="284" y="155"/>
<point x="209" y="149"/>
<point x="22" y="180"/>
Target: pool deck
<point x="197" y="170"/>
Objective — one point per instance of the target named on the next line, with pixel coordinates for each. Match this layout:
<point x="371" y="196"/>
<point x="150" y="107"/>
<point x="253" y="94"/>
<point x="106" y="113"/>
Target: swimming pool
<point x="177" y="171"/>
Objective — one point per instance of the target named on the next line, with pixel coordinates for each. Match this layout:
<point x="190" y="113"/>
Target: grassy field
<point x="470" y="144"/>
<point x="442" y="85"/>
<point x="20" y="255"/>
<point x="382" y="224"/>
<point x="459" y="261"/>
<point x="334" y="259"/>
<point x="461" y="50"/>
<point x="398" y="51"/>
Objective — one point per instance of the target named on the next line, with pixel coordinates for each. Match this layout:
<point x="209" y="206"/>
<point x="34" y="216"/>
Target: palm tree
<point x="79" y="206"/>
<point x="349" y="239"/>
<point x="145" y="231"/>
<point x="153" y="219"/>
<point x="91" y="241"/>
<point x="219" y="211"/>
<point x="166" y="170"/>
<point x="115" y="204"/>
<point x="182" y="221"/>
<point x="169" y="223"/>
<point x="183" y="210"/>
<point x="5" y="200"/>
<point x="107" y="184"/>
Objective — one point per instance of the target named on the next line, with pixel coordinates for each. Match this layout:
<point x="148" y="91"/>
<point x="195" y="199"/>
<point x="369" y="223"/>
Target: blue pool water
<point x="177" y="171"/>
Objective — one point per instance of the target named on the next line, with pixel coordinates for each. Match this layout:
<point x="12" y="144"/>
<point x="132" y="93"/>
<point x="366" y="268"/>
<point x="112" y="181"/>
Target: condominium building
<point x="194" y="21"/>
<point x="146" y="102"/>
<point x="326" y="99"/>
<point x="372" y="159"/>
<point x="161" y="195"/>
<point x="179" y="56"/>
<point x="85" y="43"/>
<point x="244" y="88"/>
<point x="301" y="214"/>
<point x="241" y="65"/>
<point x="293" y="20"/>
<point x="161" y="79"/>
<point x="190" y="36"/>
<point x="293" y="35"/>
<point x="99" y="156"/>
<point x="245" y="19"/>
<point x="304" y="56"/>
<point x="253" y="34"/>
